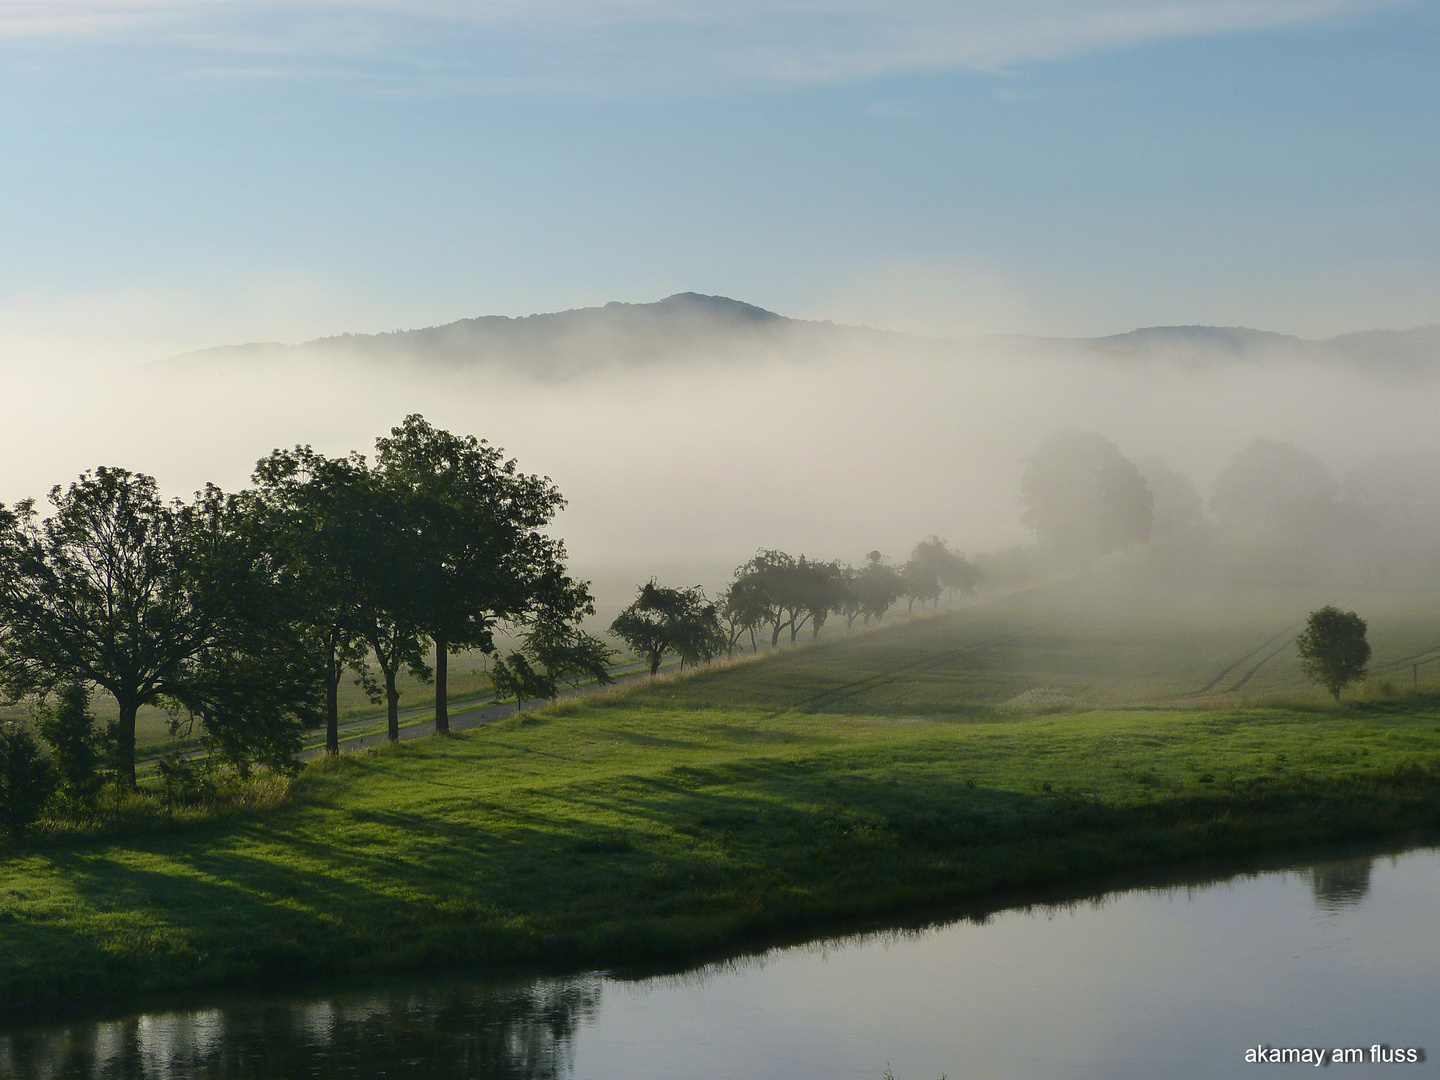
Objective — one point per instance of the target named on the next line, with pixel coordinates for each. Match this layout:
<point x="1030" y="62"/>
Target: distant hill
<point x="563" y="344"/>
<point x="689" y="327"/>
<point x="1199" y="342"/>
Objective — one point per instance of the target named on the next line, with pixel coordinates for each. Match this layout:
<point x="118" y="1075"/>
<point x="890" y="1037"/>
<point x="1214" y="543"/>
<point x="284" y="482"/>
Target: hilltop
<point x="690" y="327"/>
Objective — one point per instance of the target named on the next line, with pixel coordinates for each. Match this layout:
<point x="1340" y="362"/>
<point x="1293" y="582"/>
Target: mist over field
<point x="687" y="434"/>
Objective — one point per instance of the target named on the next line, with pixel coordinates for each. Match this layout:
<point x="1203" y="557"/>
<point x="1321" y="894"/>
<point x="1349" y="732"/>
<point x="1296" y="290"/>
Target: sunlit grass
<point x="870" y="775"/>
<point x="627" y="830"/>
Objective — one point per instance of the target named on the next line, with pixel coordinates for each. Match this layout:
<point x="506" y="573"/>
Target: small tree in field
<point x="1333" y="649"/>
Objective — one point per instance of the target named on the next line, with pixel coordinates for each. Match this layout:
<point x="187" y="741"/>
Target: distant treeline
<point x="241" y="613"/>
<point x="1275" y="512"/>
<point x="776" y="592"/>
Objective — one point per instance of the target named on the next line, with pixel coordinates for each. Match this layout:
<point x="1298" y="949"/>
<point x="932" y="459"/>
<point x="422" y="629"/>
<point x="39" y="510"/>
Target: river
<point x="1152" y="982"/>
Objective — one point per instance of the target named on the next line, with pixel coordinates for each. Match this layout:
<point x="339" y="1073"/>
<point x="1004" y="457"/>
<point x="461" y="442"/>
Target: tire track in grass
<point x="1265" y="644"/>
<point x="1236" y="663"/>
<point x="1268" y="657"/>
<point x="1422" y="657"/>
<point x="871" y="682"/>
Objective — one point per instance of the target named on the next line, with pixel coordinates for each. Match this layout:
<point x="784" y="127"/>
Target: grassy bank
<point x="624" y="831"/>
<point x="1016" y="745"/>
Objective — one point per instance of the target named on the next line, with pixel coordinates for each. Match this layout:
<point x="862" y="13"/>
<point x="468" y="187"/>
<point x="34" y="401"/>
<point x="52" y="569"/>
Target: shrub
<point x="27" y="779"/>
<point x="77" y="747"/>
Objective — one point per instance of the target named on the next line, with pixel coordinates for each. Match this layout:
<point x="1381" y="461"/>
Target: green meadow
<point x="1026" y="742"/>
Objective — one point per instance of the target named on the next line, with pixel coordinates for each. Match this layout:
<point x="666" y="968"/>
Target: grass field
<point x="1032" y="740"/>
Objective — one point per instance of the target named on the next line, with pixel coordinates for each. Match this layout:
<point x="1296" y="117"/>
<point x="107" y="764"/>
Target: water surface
<point x="1145" y="983"/>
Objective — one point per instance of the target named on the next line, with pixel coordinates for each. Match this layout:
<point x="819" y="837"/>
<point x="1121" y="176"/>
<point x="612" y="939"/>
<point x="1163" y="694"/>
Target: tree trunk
<point x="654" y="663"/>
<point x="332" y="714"/>
<point x="775" y="637"/>
<point x="125" y="743"/>
<point x="392" y="707"/>
<point x="442" y="687"/>
<point x="332" y="703"/>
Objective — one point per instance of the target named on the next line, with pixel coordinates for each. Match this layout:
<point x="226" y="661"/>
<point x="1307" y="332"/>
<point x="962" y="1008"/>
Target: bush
<point x="27" y="779"/>
<point x="78" y="748"/>
<point x="185" y="782"/>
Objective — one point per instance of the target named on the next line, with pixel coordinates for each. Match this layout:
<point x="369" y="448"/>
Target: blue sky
<point x="177" y="173"/>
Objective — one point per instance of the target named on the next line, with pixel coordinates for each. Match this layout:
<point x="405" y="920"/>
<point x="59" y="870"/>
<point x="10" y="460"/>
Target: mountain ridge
<point x="564" y="344"/>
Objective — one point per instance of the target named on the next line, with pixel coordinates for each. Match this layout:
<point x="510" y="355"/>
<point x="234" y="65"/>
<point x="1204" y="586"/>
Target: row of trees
<point x="1083" y="498"/>
<point x="775" y="593"/>
<point x="243" y="612"/>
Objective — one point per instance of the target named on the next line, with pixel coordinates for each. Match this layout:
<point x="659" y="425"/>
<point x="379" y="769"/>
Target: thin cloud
<point x="620" y="41"/>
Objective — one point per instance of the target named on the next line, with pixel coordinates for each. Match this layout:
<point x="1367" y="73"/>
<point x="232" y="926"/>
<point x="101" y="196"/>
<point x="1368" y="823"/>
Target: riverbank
<point x="643" y="828"/>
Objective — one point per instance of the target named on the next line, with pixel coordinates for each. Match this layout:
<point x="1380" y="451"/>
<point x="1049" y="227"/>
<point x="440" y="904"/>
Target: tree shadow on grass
<point x="628" y="869"/>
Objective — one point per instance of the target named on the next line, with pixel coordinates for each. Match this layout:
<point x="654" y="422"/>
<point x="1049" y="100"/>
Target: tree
<point x="1179" y="512"/>
<point x="933" y="559"/>
<point x="554" y="650"/>
<point x="554" y="639"/>
<point x="253" y="686"/>
<point x="153" y="602"/>
<point x="761" y="586"/>
<point x="820" y="588"/>
<point x="1395" y="499"/>
<point x="921" y="582"/>
<point x="1333" y="649"/>
<point x="480" y="557"/>
<point x="1083" y="497"/>
<point x="663" y="620"/>
<point x="786" y="592"/>
<point x="514" y="676"/>
<point x="1272" y="490"/>
<point x="27" y="779"/>
<point x="392" y="611"/>
<point x="744" y="609"/>
<point x="316" y="515"/>
<point x="877" y="586"/>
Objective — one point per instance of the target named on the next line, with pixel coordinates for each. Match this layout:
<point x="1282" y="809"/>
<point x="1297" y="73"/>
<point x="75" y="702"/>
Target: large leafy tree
<point x="252" y="686"/>
<point x="1083" y="497"/>
<point x="479" y="557"/>
<point x="761" y="590"/>
<point x="321" y="519"/>
<point x="153" y="602"/>
<point x="390" y="569"/>
<point x="1274" y="491"/>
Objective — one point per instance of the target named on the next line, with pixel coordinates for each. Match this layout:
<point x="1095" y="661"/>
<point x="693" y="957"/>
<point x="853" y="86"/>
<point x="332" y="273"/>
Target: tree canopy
<point x="1083" y="497"/>
<point x="663" y="619"/>
<point x="1272" y="490"/>
<point x="152" y="601"/>
<point x="1333" y="649"/>
<point x="479" y="556"/>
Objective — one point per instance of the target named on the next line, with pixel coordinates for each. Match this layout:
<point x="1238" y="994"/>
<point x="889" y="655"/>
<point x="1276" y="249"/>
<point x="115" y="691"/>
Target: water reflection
<point x="1174" y="980"/>
<point x="517" y="1033"/>
<point x="1339" y="885"/>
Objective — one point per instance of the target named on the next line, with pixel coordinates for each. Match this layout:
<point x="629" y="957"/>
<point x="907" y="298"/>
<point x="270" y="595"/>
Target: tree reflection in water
<point x="1340" y="885"/>
<point x="465" y="1032"/>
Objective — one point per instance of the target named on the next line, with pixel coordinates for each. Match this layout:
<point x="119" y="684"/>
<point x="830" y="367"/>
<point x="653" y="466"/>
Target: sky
<point x="183" y="173"/>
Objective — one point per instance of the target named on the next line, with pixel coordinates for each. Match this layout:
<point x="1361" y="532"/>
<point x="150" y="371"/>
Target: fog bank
<point x="683" y="467"/>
